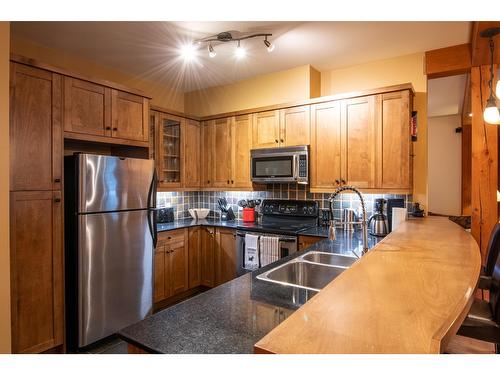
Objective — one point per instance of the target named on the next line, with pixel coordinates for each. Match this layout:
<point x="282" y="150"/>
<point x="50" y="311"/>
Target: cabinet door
<point x="194" y="257"/>
<point x="159" y="274"/>
<point x="154" y="124"/>
<point x="242" y="143"/>
<point x="170" y="150"/>
<point x="295" y="126"/>
<point x="86" y="107"/>
<point x="266" y="129"/>
<point x="191" y="155"/>
<point x="207" y="147"/>
<point x="129" y="116"/>
<point x="178" y="255"/>
<point x="221" y="162"/>
<point x="36" y="271"/>
<point x="325" y="156"/>
<point x="207" y="254"/>
<point x="225" y="255"/>
<point x="395" y="169"/>
<point x="359" y="142"/>
<point x="35" y="129"/>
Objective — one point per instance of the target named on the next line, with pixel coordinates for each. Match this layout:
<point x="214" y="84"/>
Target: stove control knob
<point x="304" y="209"/>
<point x="311" y="210"/>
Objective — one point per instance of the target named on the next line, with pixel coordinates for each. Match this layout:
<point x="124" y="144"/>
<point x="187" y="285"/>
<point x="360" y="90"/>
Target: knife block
<point x="228" y="215"/>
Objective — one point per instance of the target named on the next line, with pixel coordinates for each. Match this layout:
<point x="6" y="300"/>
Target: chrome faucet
<point x="364" y="223"/>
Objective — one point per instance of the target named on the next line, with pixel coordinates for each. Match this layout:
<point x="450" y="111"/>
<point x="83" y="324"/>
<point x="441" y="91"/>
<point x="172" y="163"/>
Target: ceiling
<point x="445" y="96"/>
<point x="151" y="49"/>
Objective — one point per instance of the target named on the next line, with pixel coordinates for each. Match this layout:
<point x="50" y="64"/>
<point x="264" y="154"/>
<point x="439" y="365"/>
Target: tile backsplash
<point x="182" y="201"/>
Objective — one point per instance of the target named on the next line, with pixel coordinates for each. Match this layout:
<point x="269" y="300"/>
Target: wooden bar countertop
<point x="409" y="294"/>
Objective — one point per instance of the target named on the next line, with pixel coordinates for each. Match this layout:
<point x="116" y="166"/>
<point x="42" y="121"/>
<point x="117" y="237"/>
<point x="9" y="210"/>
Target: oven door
<point x="274" y="168"/>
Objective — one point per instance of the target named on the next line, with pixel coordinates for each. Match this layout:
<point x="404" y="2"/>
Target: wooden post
<point x="484" y="161"/>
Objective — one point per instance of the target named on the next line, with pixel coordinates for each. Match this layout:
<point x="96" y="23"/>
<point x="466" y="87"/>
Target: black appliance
<point x="165" y="215"/>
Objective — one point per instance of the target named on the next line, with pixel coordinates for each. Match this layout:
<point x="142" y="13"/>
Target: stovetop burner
<point x="285" y="217"/>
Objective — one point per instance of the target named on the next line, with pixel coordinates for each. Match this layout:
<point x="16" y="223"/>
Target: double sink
<point x="311" y="271"/>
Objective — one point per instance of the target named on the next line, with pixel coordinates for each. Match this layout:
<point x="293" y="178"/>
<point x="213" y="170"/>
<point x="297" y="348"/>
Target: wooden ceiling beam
<point x="448" y="61"/>
<point x="480" y="50"/>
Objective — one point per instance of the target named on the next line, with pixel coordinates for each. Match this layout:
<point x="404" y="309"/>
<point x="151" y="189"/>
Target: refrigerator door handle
<point x="152" y="209"/>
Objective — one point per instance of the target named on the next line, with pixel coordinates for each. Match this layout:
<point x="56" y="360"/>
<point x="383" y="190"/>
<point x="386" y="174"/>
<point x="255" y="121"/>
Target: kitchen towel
<point x="269" y="250"/>
<point x="251" y="252"/>
<point x="398" y="216"/>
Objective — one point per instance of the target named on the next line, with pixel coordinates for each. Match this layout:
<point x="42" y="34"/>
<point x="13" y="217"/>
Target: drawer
<point x="171" y="236"/>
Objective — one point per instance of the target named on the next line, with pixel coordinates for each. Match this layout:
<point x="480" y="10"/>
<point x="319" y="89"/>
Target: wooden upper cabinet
<point x="191" y="154"/>
<point x="36" y="270"/>
<point x="169" y="153"/>
<point x="295" y="129"/>
<point x="221" y="155"/>
<point x="266" y="129"/>
<point x="86" y="107"/>
<point x="394" y="113"/>
<point x="35" y="129"/>
<point x="359" y="142"/>
<point x="225" y="255"/>
<point x="129" y="116"/>
<point x="325" y="152"/>
<point x="242" y="143"/>
<point x="207" y="150"/>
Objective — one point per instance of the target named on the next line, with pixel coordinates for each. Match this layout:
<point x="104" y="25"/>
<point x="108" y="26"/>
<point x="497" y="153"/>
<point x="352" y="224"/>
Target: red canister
<point x="248" y="215"/>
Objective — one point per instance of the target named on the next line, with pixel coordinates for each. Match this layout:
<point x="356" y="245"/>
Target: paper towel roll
<point x="398" y="216"/>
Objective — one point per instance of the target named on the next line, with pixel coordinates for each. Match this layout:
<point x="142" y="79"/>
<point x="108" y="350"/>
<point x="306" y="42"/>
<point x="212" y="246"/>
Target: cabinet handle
<point x="282" y="141"/>
<point x="232" y="181"/>
<point x="337" y="181"/>
<point x="228" y="181"/>
<point x="57" y="180"/>
<point x="57" y="200"/>
<point x="343" y="181"/>
<point x="208" y="181"/>
<point x="115" y="129"/>
<point x="169" y="237"/>
<point x="276" y="141"/>
<point x="108" y="127"/>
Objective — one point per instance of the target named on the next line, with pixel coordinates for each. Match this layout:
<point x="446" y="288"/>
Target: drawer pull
<point x="57" y="200"/>
<point x="57" y="180"/>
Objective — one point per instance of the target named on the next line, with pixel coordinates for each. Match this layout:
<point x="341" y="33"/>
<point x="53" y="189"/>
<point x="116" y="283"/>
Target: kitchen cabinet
<point x="221" y="155"/>
<point x="359" y="139"/>
<point x="295" y="126"/>
<point x="37" y="305"/>
<point x="207" y="254"/>
<point x="207" y="149"/>
<point x="241" y="145"/>
<point x="169" y="152"/>
<point x="191" y="154"/>
<point x="325" y="151"/>
<point x="194" y="256"/>
<point x="129" y="116"/>
<point x="86" y="107"/>
<point x="266" y="129"/>
<point x="306" y="241"/>
<point x="35" y="129"/>
<point x="284" y="127"/>
<point x="36" y="233"/>
<point x="225" y="255"/>
<point x="171" y="264"/>
<point x="395" y="147"/>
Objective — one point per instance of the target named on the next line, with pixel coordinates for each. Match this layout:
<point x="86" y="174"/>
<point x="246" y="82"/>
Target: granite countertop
<point x="232" y="317"/>
<point x="186" y="223"/>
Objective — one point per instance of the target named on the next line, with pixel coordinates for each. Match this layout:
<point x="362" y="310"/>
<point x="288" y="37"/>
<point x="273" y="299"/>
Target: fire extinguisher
<point x="413" y="126"/>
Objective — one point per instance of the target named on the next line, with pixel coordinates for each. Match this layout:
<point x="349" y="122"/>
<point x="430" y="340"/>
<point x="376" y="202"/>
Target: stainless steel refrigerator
<point x="110" y="232"/>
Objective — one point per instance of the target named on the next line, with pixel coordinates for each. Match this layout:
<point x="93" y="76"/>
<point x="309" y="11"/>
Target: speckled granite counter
<point x="232" y="317"/>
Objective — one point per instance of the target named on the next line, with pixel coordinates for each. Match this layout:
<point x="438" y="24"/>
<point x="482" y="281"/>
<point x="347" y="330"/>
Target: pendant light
<point x="491" y="113"/>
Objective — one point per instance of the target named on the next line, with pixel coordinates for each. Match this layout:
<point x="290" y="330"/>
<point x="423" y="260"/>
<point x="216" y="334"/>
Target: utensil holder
<point x="248" y="215"/>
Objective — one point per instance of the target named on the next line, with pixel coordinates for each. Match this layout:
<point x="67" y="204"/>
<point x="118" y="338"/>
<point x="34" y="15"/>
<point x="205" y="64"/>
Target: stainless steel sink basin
<point x="302" y="274"/>
<point x="329" y="259"/>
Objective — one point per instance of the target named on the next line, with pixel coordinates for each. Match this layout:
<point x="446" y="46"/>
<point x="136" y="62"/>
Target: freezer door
<point x="115" y="273"/>
<point x="109" y="183"/>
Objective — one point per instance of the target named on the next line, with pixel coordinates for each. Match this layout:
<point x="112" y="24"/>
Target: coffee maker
<point x="377" y="224"/>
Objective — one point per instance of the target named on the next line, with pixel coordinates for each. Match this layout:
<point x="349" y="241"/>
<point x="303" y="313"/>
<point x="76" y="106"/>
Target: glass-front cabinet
<point x="169" y="156"/>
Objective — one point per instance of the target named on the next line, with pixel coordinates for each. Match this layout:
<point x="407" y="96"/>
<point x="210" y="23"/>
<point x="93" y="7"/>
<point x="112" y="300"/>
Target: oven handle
<point x="281" y="239"/>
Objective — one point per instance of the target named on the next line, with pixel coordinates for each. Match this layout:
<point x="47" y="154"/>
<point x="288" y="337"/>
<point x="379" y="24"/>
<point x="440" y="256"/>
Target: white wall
<point x="444" y="165"/>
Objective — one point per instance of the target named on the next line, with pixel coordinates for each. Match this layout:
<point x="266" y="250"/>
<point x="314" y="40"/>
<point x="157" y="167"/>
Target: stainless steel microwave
<point x="280" y="165"/>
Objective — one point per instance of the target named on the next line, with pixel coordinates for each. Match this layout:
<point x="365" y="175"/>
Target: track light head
<point x="269" y="45"/>
<point x="240" y="51"/>
<point x="211" y="51"/>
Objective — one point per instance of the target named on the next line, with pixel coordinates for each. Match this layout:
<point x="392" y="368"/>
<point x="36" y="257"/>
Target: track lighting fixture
<point x="211" y="51"/>
<point x="226" y="36"/>
<point x="491" y="112"/>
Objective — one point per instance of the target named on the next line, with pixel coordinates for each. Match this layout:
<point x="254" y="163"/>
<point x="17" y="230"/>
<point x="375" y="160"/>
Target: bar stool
<point x="483" y="320"/>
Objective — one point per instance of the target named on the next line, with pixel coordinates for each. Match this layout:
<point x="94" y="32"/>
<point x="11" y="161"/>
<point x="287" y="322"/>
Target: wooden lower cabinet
<point x="306" y="241"/>
<point x="36" y="271"/>
<point x="225" y="255"/>
<point x="194" y="257"/>
<point x="171" y="275"/>
<point x="207" y="254"/>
